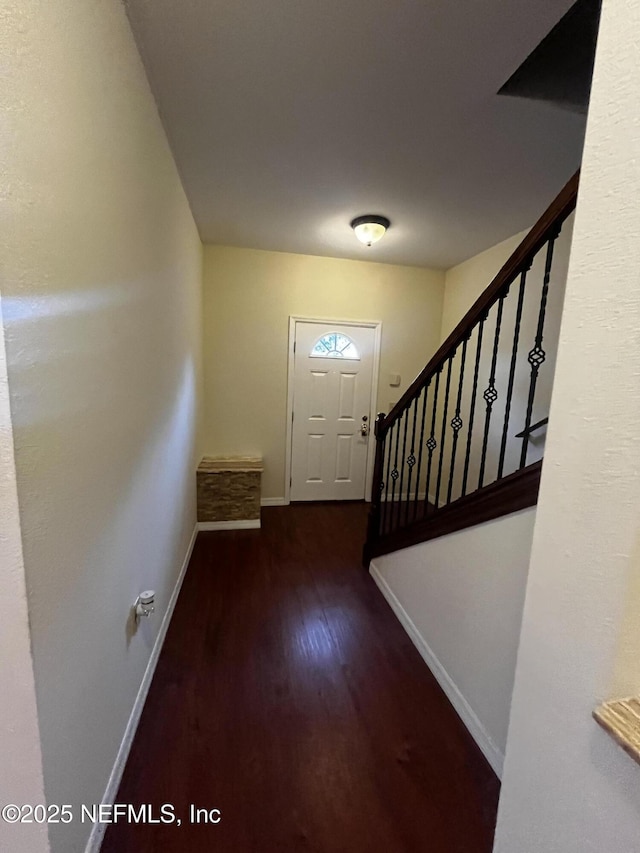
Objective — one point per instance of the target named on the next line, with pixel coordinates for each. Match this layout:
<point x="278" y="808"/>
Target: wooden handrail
<point x="407" y="509"/>
<point x="556" y="213"/>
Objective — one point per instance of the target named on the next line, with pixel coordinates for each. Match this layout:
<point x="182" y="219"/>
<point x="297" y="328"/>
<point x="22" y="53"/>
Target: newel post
<point x="373" y="524"/>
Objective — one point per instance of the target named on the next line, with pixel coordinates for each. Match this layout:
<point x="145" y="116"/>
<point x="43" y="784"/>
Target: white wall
<point x="20" y="756"/>
<point x="461" y="598"/>
<point x="248" y="298"/>
<point x="567" y="787"/>
<point x="101" y="272"/>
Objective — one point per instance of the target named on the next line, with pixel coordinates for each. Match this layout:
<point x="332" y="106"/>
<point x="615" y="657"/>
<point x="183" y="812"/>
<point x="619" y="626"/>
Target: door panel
<point x="318" y="394"/>
<point x="347" y="400"/>
<point x="343" y="458"/>
<point x="314" y="458"/>
<point x="331" y="396"/>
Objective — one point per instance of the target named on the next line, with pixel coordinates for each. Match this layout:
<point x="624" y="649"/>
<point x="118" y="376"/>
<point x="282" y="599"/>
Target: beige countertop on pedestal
<point x="621" y="719"/>
<point x="218" y="464"/>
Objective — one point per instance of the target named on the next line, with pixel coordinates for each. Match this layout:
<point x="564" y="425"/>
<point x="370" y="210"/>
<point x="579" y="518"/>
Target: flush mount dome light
<point x="369" y="229"/>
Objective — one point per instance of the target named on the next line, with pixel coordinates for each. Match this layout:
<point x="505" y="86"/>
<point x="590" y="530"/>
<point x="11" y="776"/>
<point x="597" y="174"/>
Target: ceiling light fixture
<point x="369" y="229"/>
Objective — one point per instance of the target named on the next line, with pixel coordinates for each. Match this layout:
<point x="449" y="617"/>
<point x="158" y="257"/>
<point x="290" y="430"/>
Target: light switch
<point x="394" y="379"/>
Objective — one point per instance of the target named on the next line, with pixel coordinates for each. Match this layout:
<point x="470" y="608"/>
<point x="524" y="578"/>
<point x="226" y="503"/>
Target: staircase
<point x="461" y="445"/>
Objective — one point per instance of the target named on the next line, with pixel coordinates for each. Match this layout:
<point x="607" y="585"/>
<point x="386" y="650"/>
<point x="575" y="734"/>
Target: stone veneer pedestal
<point x="229" y="489"/>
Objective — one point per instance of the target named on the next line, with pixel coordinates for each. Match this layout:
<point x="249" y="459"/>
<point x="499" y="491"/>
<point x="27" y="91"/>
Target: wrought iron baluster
<point x="380" y="486"/>
<point x="385" y="512"/>
<point x="431" y="442"/>
<point x="406" y="442"/>
<point x="405" y="415"/>
<point x="411" y="460"/>
<point x="472" y="405"/>
<point x="537" y="355"/>
<point x="374" y="526"/>
<point x="491" y="395"/>
<point x="456" y="423"/>
<point x="425" y="391"/>
<point x="443" y="434"/>
<point x="512" y="368"/>
<point x="394" y="476"/>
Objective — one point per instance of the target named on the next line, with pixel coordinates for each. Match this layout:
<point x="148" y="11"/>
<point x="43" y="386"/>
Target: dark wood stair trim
<point x="557" y="212"/>
<point x="510" y="494"/>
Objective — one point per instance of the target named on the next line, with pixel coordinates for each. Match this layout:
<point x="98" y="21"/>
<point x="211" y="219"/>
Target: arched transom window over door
<point x="335" y="345"/>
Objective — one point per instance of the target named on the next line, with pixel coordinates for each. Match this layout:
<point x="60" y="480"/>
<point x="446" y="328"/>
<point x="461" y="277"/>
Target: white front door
<point x="332" y="392"/>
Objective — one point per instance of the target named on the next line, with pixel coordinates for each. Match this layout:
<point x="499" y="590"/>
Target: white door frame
<point x="376" y="325"/>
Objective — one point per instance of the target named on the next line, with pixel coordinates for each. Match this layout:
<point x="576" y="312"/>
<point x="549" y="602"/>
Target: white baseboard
<point x="241" y="524"/>
<point x="460" y="704"/>
<point x="98" y="829"/>
<point x="274" y="502"/>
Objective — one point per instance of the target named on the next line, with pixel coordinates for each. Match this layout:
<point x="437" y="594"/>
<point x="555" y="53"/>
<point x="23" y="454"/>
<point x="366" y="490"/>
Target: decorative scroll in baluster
<point x="512" y="368"/>
<point x="411" y="459"/>
<point x="443" y="433"/>
<point x="403" y="466"/>
<point x="404" y="510"/>
<point x="425" y="393"/>
<point x="431" y="442"/>
<point x="395" y="473"/>
<point x="456" y="423"/>
<point x="491" y="394"/>
<point x="537" y="355"/>
<point x="472" y="406"/>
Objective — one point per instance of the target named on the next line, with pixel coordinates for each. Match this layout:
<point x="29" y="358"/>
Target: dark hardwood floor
<point x="288" y="697"/>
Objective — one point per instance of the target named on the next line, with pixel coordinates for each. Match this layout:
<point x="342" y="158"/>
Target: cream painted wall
<point x="465" y="282"/>
<point x="20" y="756"/>
<point x="248" y="298"/>
<point x="567" y="787"/>
<point x="101" y="287"/>
<point x="463" y="594"/>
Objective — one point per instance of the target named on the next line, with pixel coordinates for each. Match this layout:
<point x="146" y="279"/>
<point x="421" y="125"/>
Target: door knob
<point x="364" y="426"/>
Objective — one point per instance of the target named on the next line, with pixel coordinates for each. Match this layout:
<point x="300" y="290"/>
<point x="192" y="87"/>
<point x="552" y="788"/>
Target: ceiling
<point x="290" y="117"/>
<point x="560" y="68"/>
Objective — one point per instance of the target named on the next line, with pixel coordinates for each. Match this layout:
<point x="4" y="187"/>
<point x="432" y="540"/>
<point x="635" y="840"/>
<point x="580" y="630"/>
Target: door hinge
<point x="294" y="347"/>
<point x="292" y="415"/>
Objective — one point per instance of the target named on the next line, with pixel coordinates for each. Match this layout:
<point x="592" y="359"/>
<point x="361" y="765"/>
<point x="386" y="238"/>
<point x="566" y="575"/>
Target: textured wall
<point x="101" y="272"/>
<point x="20" y="755"/>
<point x="567" y="787"/>
<point x="249" y="296"/>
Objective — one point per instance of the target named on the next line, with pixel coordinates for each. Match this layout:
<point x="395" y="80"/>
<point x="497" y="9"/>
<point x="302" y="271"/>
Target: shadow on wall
<point x="97" y="409"/>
